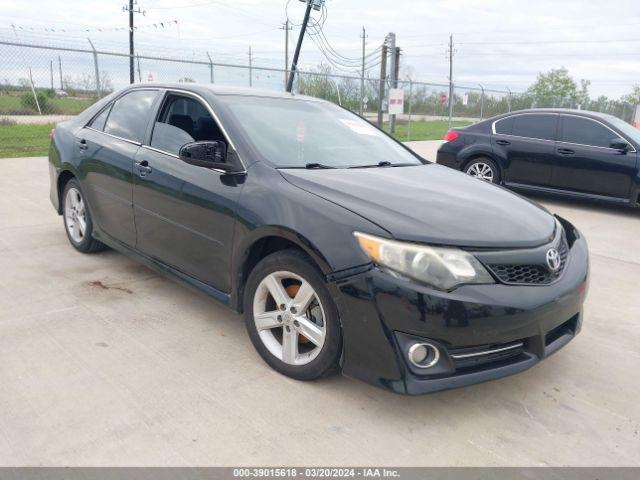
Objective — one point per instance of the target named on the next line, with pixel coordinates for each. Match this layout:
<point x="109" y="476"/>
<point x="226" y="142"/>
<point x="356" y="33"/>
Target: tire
<point x="279" y="340"/>
<point x="484" y="169"/>
<point x="75" y="213"/>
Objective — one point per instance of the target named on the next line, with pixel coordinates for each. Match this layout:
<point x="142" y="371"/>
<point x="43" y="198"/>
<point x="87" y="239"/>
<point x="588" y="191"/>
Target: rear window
<point x="541" y="127"/>
<point x="504" y="126"/>
<point x="130" y="114"/>
<point x="98" y="122"/>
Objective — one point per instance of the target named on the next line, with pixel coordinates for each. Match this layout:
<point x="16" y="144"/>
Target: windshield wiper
<point x="315" y="166"/>
<point x="383" y="163"/>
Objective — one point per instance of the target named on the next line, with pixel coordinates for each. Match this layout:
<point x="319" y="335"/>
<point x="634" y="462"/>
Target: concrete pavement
<point x="103" y="362"/>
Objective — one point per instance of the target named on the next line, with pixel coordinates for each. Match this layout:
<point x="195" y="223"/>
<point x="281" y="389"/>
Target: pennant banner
<point x="157" y="26"/>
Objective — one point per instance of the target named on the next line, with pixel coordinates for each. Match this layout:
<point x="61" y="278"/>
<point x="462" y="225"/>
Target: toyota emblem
<point x="553" y="259"/>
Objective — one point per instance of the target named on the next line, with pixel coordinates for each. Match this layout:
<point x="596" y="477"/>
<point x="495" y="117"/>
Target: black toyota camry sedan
<point x="344" y="250"/>
<point x="572" y="153"/>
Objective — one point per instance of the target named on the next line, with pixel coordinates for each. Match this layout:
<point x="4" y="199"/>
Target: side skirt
<point x="567" y="193"/>
<point x="164" y="269"/>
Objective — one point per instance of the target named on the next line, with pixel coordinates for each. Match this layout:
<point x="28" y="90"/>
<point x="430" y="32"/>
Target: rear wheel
<point x="77" y="219"/>
<point x="483" y="169"/>
<point x="291" y="318"/>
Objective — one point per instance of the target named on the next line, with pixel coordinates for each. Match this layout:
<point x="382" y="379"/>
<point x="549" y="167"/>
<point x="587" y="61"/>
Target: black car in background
<point x="344" y="250"/>
<point x="569" y="152"/>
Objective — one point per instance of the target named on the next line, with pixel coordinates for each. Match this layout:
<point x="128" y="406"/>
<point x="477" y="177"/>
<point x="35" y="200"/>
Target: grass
<point x="33" y="140"/>
<point x="11" y="105"/>
<point x="425" y="130"/>
<point x="24" y="140"/>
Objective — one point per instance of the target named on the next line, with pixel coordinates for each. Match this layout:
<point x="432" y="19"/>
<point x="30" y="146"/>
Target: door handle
<point x="565" y="151"/>
<point x="503" y="142"/>
<point x="143" y="168"/>
<point x="82" y="145"/>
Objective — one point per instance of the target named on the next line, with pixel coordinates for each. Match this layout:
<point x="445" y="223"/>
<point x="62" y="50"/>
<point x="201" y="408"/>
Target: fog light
<point x="423" y="355"/>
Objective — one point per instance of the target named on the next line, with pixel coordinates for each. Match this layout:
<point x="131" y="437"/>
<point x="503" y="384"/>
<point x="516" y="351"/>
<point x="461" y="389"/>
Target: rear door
<point x="586" y="163"/>
<point x="106" y="148"/>
<point x="526" y="143"/>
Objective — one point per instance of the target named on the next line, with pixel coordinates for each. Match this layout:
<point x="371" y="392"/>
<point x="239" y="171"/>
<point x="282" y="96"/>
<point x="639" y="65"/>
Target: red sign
<point x="443" y="98"/>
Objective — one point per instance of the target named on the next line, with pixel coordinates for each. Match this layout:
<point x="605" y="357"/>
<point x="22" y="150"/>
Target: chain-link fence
<point x="45" y="82"/>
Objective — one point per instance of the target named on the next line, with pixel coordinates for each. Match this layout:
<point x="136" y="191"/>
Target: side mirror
<point x="620" y="144"/>
<point x="206" y="154"/>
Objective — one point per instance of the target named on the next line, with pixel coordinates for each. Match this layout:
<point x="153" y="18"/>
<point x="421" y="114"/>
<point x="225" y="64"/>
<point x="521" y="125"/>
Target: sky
<point x="497" y="43"/>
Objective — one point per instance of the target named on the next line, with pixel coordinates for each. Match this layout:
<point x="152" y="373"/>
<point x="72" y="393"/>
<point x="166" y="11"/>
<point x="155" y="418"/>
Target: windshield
<point x="292" y="133"/>
<point x="627" y="130"/>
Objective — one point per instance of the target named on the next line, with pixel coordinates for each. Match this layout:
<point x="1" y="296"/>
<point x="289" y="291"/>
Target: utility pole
<point x="450" y="79"/>
<point x="60" y="68"/>
<point x="132" y="77"/>
<point x="296" y="55"/>
<point x="131" y="11"/>
<point x="51" y="69"/>
<point x="392" y="74"/>
<point x="250" y="68"/>
<point x="287" y="28"/>
<point x="364" y="42"/>
<point x="139" y="72"/>
<point x="211" y="77"/>
<point x="383" y="79"/>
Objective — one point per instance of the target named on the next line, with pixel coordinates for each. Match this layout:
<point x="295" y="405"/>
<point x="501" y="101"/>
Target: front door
<point x="585" y="162"/>
<point x="527" y="143"/>
<point x="184" y="214"/>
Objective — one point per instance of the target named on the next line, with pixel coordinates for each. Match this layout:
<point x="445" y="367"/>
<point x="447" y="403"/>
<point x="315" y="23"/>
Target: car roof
<point x="222" y="90"/>
<point x="570" y="111"/>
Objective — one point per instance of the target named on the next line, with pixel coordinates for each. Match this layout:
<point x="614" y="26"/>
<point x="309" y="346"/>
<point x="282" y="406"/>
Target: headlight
<point x="440" y="267"/>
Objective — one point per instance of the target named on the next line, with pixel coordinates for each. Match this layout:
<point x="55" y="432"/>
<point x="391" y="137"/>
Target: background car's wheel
<point x="77" y="219"/>
<point x="484" y="169"/>
<point x="291" y="318"/>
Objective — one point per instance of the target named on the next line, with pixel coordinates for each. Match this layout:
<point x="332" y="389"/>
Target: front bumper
<point x="380" y="312"/>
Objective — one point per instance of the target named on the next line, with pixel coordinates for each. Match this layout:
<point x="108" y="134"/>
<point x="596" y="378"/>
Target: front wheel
<point x="483" y="169"/>
<point x="291" y="318"/>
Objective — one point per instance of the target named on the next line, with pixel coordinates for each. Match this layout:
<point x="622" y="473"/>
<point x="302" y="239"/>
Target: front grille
<point x="486" y="355"/>
<point x="531" y="274"/>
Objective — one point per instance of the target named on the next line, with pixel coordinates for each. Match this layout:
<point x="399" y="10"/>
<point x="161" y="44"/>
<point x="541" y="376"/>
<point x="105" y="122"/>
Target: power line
<point x="550" y="42"/>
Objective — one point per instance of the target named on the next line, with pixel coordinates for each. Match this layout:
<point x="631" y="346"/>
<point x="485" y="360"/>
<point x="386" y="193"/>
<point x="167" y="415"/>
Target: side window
<point x="183" y="120"/>
<point x="130" y="114"/>
<point x="585" y="132"/>
<point x="504" y="126"/>
<point x="541" y="127"/>
<point x="98" y="122"/>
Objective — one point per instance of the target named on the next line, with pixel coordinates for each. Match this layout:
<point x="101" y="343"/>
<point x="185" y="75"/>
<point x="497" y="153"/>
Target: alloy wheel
<point x="289" y="318"/>
<point x="482" y="171"/>
<point x="75" y="215"/>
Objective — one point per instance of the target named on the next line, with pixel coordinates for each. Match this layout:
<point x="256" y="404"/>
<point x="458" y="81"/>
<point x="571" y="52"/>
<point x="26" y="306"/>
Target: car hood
<point x="431" y="204"/>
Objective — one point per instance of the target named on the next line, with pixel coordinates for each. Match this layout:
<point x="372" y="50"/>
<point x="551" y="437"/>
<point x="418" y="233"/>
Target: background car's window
<point x="291" y="133"/>
<point x="99" y="121"/>
<point x="183" y="120"/>
<point x="505" y="126"/>
<point x="630" y="132"/>
<point x="585" y="132"/>
<point x="129" y="115"/>
<point x="542" y="127"/>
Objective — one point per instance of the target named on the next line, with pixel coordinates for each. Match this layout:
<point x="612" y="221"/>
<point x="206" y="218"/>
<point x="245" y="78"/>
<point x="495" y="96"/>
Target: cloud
<point x="498" y="42"/>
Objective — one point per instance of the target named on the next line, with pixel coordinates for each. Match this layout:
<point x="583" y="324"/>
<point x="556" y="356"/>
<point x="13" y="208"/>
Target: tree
<point x="634" y="97"/>
<point x="557" y="89"/>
